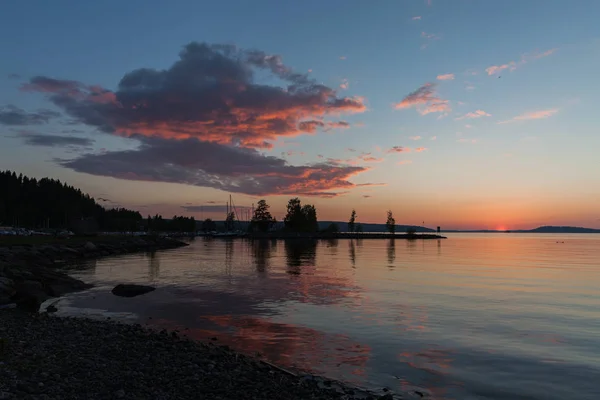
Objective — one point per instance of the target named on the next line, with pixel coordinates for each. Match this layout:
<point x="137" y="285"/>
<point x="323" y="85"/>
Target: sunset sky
<point x="464" y="114"/>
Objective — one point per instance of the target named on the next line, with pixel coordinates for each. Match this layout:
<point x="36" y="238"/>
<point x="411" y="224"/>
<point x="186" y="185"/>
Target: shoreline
<point x="105" y="359"/>
<point x="28" y="274"/>
<point x="42" y="366"/>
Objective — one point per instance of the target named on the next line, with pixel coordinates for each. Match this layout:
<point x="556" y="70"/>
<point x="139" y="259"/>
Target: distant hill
<point x="541" y="229"/>
<point x="560" y="229"/>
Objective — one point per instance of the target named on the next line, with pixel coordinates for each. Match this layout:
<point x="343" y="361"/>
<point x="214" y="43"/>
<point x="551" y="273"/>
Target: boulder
<point x="89" y="246"/>
<point x="7" y="287"/>
<point x="130" y="290"/>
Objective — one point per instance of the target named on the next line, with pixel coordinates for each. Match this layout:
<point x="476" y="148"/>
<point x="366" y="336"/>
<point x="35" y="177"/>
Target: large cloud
<point x="200" y="163"/>
<point x="213" y="93"/>
<point x="15" y="116"/>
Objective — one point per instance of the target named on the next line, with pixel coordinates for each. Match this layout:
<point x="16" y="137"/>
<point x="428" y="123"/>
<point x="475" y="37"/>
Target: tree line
<point x="51" y="204"/>
<point x="302" y="219"/>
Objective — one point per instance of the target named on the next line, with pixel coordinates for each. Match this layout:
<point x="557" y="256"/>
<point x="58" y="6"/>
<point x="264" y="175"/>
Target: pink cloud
<point x="495" y="69"/>
<point x="404" y="162"/>
<point x="417" y="18"/>
<point x="425" y="100"/>
<point x="546" y="53"/>
<point x="468" y="126"/>
<point x="342" y="57"/>
<point x="525" y="58"/>
<point x="421" y="149"/>
<point x="445" y="77"/>
<point x="415" y="138"/>
<point x="371" y="159"/>
<point x="464" y="140"/>
<point x="433" y="138"/>
<point x="399" y="149"/>
<point x="345" y="84"/>
<point x="475" y="114"/>
<point x="541" y="114"/>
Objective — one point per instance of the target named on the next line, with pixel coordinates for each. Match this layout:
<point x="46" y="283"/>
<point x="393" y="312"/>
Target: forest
<point x="51" y="204"/>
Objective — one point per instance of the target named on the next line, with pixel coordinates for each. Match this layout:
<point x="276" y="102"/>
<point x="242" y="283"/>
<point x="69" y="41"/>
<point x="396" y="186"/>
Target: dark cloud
<point x="35" y="139"/>
<point x="211" y="93"/>
<point x="200" y="121"/>
<point x="15" y="116"/>
<point x="229" y="168"/>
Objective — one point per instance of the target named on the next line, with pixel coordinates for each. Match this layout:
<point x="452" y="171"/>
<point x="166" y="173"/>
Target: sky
<point x="464" y="114"/>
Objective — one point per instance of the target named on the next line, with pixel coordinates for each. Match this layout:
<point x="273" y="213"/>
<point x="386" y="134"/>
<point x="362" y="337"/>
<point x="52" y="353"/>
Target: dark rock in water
<point x="27" y="301"/>
<point x="130" y="290"/>
<point x="51" y="309"/>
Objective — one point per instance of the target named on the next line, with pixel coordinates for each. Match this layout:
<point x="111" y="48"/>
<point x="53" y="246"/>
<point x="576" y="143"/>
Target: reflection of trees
<point x="391" y="252"/>
<point x="299" y="253"/>
<point x="331" y="245"/>
<point x="411" y="245"/>
<point x="228" y="255"/>
<point x="153" y="265"/>
<point x="261" y="251"/>
<point x="439" y="247"/>
<point x="352" y="251"/>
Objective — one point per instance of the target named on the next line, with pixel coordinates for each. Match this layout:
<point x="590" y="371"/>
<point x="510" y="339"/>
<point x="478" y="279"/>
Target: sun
<point x="501" y="228"/>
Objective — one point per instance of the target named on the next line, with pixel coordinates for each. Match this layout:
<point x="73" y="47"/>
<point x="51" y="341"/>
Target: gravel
<point x="45" y="357"/>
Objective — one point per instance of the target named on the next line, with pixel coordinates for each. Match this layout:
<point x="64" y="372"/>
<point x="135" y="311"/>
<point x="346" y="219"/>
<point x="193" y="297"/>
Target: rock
<point x="51" y="309"/>
<point x="130" y="290"/>
<point x="89" y="246"/>
<point x="7" y="286"/>
<point x="27" y="301"/>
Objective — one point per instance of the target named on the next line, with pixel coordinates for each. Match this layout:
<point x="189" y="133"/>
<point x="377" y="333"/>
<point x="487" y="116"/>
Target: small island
<point x="300" y="222"/>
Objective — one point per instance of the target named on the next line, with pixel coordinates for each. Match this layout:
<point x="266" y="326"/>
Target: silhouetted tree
<point x="310" y="223"/>
<point x="390" y="224"/>
<point x="262" y="219"/>
<point x="230" y="221"/>
<point x="208" y="225"/>
<point x="352" y="221"/>
<point x="300" y="218"/>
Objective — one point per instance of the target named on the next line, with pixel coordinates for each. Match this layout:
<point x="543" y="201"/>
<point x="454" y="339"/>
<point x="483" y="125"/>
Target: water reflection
<point x="153" y="266"/>
<point x="299" y="253"/>
<point x="391" y="252"/>
<point x="352" y="252"/>
<point x="228" y="256"/>
<point x="261" y="252"/>
<point x="494" y="318"/>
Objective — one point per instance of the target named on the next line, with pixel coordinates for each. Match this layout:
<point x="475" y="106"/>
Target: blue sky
<point x="478" y="172"/>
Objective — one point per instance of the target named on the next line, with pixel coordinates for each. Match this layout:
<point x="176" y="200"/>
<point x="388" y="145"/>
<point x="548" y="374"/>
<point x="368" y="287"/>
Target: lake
<point x="476" y="316"/>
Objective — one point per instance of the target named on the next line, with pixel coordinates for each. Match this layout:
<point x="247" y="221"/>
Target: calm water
<point x="500" y="316"/>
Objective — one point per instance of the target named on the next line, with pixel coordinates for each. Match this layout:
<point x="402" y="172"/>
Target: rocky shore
<point x="27" y="270"/>
<point x="44" y="357"/>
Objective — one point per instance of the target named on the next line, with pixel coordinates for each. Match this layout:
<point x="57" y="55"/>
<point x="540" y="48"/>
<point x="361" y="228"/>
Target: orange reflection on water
<point x="283" y="344"/>
<point x="437" y="364"/>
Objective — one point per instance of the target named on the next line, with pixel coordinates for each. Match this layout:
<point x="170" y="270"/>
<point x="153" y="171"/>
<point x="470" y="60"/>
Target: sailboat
<point x="230" y="233"/>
